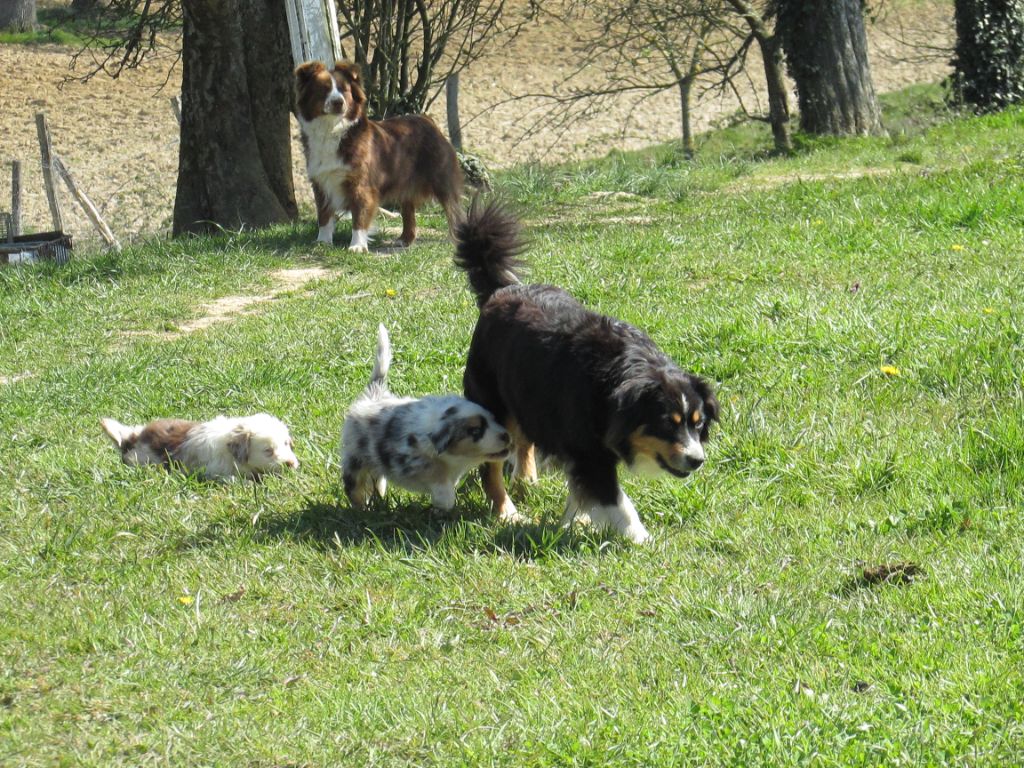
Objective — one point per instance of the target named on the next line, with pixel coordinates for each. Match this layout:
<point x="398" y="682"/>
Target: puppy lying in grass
<point x="425" y="445"/>
<point x="221" y="449"/>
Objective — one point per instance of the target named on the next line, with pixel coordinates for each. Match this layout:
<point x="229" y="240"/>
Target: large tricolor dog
<point x="357" y="164"/>
<point x="584" y="389"/>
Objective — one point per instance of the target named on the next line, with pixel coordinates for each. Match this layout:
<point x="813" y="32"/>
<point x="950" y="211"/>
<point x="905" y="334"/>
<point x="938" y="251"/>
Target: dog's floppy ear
<point x="628" y="399"/>
<point x="118" y="432"/>
<point x="447" y="430"/>
<point x="238" y="444"/>
<point x="350" y="68"/>
<point x="442" y="438"/>
<point x="305" y="71"/>
<point x="711" y="407"/>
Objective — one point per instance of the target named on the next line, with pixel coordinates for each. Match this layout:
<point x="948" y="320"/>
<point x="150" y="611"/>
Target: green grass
<point x="60" y="25"/>
<point x="148" y="618"/>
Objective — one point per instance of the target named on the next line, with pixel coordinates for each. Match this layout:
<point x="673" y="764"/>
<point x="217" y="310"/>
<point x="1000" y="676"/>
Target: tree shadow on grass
<point x="407" y="527"/>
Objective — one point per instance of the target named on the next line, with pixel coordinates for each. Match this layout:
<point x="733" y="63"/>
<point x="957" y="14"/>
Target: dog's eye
<point x="476" y="432"/>
<point x="269" y="451"/>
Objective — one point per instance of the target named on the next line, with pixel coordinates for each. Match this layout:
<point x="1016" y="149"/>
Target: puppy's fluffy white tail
<point x="118" y="432"/>
<point x="382" y="359"/>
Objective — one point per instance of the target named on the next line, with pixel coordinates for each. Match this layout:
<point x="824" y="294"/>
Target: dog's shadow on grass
<point x="330" y="523"/>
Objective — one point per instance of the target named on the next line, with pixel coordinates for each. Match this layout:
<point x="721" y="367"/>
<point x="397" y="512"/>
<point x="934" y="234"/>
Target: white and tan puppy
<point x="426" y="444"/>
<point x="221" y="449"/>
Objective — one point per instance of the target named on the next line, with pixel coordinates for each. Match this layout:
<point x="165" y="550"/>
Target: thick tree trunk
<point x="988" y="62"/>
<point x="234" y="163"/>
<point x="18" y="15"/>
<point x="827" y="52"/>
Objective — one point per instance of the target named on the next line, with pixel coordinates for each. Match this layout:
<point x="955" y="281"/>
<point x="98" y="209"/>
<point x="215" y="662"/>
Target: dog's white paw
<point x="508" y="513"/>
<point x="359" y="248"/>
<point x="637" y="534"/>
<point x="442" y="497"/>
<point x="325" y="234"/>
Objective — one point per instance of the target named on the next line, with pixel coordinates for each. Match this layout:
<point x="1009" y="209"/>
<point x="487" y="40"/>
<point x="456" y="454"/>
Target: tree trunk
<point x="827" y="52"/>
<point x="234" y="162"/>
<point x="774" y="75"/>
<point x="685" y="88"/>
<point x="18" y="15"/>
<point x="988" y="62"/>
<point x="778" y="94"/>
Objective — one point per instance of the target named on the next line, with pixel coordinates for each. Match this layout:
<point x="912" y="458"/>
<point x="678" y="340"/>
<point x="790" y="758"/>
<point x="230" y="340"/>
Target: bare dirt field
<point x="119" y="138"/>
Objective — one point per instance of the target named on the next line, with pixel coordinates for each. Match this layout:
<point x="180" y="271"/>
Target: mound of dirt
<point x="119" y="137"/>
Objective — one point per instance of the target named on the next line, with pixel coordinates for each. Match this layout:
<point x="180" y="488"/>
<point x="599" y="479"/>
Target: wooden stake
<point x="86" y="203"/>
<point x="451" y="91"/>
<point x="176" y="108"/>
<point x="45" y="151"/>
<point x="15" y="197"/>
<point x="313" y="30"/>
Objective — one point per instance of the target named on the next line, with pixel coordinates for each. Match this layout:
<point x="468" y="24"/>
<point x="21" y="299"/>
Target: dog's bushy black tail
<point x="487" y="248"/>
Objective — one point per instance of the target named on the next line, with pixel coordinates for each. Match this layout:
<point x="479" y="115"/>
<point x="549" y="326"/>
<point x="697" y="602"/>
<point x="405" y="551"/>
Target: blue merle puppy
<point x="425" y="445"/>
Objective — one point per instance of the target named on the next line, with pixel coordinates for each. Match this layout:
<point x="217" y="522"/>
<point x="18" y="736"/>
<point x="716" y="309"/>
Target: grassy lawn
<point x="859" y="308"/>
<point x="59" y="24"/>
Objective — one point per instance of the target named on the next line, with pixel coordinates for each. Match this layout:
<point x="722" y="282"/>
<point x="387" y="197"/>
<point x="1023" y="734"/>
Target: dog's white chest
<point x="323" y="163"/>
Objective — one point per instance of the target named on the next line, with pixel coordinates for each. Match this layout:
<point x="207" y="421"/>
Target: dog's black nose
<point x="694" y="462"/>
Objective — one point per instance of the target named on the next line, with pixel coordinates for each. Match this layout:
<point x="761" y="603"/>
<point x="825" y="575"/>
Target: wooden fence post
<point x="87" y="206"/>
<point x="313" y="30"/>
<point x="15" y="197"/>
<point x="46" y="151"/>
<point x="451" y="92"/>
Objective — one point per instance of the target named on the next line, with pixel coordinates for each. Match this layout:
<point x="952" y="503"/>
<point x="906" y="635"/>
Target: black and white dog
<point x="426" y="445"/>
<point x="587" y="390"/>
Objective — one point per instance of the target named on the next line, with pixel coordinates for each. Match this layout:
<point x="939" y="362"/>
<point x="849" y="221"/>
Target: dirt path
<point x="119" y="137"/>
<point x="228" y="308"/>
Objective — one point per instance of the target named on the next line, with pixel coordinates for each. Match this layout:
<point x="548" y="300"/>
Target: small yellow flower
<point x="956" y="247"/>
<point x="186" y="599"/>
<point x="988" y="310"/>
<point x="890" y="370"/>
<point x="391" y="293"/>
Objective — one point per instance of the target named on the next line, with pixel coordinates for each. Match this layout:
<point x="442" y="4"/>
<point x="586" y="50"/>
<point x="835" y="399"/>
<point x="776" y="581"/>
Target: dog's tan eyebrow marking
<point x="677" y="418"/>
<point x="696" y="417"/>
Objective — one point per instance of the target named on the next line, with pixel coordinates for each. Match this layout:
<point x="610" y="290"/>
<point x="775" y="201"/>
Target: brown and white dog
<point x="221" y="449"/>
<point x="589" y="391"/>
<point x="357" y="164"/>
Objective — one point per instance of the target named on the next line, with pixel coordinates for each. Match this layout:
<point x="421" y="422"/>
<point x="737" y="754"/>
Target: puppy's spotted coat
<point x="425" y="445"/>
